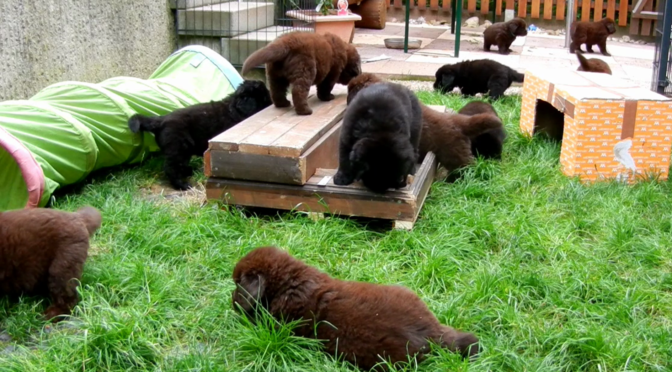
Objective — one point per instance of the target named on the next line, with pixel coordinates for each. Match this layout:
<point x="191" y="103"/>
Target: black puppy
<point x="186" y="132"/>
<point x="380" y="137"/>
<point x="488" y="144"/>
<point x="479" y="76"/>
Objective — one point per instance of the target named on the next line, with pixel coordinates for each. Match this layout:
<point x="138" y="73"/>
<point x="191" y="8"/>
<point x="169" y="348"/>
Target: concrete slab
<point x="225" y="20"/>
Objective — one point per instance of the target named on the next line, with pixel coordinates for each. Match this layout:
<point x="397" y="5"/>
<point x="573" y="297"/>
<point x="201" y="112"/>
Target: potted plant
<point x="326" y="19"/>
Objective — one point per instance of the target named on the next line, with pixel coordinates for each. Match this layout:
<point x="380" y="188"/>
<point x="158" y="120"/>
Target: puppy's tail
<point x="138" y="123"/>
<point x="516" y="76"/>
<point x="481" y="123"/>
<point x="91" y="218"/>
<point x="268" y="54"/>
<point x="583" y="61"/>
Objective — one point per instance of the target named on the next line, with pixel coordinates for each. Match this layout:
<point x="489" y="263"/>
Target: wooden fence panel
<point x="522" y="9"/>
<point x="622" y="12"/>
<point x="534" y="11"/>
<point x="434" y="4"/>
<point x="510" y="4"/>
<point x="397" y="4"/>
<point x="485" y="7"/>
<point x="498" y="5"/>
<point x="646" y="23"/>
<point x="560" y="10"/>
<point x="597" y="15"/>
<point x="548" y="9"/>
<point x="422" y="4"/>
<point x="446" y="5"/>
<point x="611" y="9"/>
<point x="471" y="6"/>
<point x="585" y="10"/>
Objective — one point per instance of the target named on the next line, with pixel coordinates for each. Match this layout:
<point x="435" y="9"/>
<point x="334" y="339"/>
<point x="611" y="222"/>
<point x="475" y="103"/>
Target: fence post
<point x="408" y="16"/>
<point x="570" y="18"/>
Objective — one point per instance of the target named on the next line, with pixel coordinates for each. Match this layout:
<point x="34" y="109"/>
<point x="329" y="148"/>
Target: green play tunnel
<point x="70" y="129"/>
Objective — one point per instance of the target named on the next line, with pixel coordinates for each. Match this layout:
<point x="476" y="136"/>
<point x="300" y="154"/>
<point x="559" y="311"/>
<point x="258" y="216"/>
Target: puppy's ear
<point x="250" y="289"/>
<point x="244" y="105"/>
<point x="513" y="27"/>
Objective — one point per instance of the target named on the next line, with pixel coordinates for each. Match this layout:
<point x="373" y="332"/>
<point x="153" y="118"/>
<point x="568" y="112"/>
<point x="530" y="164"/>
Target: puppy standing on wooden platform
<point x="185" y="132"/>
<point x="591" y="33"/>
<point x="449" y="136"/>
<point x="303" y="59"/>
<point x="380" y="137"/>
<point x="365" y="323"/>
<point x="42" y="251"/>
<point x="503" y="34"/>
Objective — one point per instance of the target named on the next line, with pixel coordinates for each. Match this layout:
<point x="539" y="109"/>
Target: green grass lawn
<point x="552" y="275"/>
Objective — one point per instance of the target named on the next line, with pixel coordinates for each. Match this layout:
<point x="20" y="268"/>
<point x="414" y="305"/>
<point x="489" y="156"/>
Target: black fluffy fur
<point x="489" y="144"/>
<point x="185" y="132"/>
<point x="479" y="76"/>
<point x="380" y="137"/>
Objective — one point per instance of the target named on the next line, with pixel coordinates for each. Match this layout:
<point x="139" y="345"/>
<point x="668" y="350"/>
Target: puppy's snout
<point x="241" y="300"/>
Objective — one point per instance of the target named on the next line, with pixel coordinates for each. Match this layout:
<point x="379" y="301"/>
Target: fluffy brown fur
<point x="363" y="322"/>
<point x="503" y="34"/>
<point x="489" y="143"/>
<point x="42" y="252"/>
<point x="592" y="64"/>
<point x="303" y="59"/>
<point x="591" y="33"/>
<point x="449" y="136"/>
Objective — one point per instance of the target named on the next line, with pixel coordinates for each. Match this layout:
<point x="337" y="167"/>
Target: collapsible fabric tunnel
<point x="70" y="129"/>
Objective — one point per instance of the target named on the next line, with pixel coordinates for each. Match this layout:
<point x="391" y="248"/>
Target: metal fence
<point x="235" y="29"/>
<point x="662" y="68"/>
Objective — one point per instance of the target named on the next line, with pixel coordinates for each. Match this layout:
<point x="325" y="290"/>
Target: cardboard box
<point x="613" y="129"/>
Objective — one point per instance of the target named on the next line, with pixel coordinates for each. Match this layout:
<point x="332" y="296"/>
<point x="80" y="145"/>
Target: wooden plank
<point x="206" y="163"/>
<point x="585" y="10"/>
<point x="623" y="13"/>
<point x="534" y="11"/>
<point x="434" y="4"/>
<point x="485" y="7"/>
<point x="548" y="9"/>
<point x="302" y="130"/>
<point x="560" y="10"/>
<point x="522" y="9"/>
<point x="274" y="169"/>
<point x="446" y="5"/>
<point x="597" y="15"/>
<point x="611" y="9"/>
<point x="422" y="4"/>
<point x="293" y="143"/>
<point x="397" y="4"/>
<point x="634" y="26"/>
<point x="498" y="7"/>
<point x="471" y="6"/>
<point x="510" y="4"/>
<point x="646" y="23"/>
<point x="351" y="200"/>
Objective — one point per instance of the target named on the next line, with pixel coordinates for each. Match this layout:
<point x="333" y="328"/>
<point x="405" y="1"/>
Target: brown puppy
<point x="591" y="33"/>
<point x="489" y="144"/>
<point x="592" y="64"/>
<point x="363" y="322"/>
<point x="303" y="59"/>
<point x="42" y="251"/>
<point x="448" y="136"/>
<point x="503" y="34"/>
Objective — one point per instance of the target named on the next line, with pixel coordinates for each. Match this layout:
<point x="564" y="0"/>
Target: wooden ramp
<point x="277" y="159"/>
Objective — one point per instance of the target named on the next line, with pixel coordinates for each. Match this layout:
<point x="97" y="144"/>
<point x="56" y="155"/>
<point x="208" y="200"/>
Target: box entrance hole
<point x="548" y="121"/>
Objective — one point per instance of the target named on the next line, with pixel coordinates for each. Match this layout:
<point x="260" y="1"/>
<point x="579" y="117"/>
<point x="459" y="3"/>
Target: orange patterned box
<point x="613" y="129"/>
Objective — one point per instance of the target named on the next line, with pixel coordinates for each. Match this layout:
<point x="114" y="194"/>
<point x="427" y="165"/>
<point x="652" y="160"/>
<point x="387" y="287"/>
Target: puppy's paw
<point x="304" y="111"/>
<point x="325" y="97"/>
<point x="54" y="313"/>
<point x="180" y="185"/>
<point x="281" y="104"/>
<point x="342" y="179"/>
<point x="606" y="54"/>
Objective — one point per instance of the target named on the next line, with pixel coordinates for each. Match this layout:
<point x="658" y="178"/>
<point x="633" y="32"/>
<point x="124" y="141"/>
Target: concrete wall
<point x="46" y="41"/>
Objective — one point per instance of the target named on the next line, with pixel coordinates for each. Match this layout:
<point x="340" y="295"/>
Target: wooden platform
<point x="320" y="195"/>
<point x="279" y="160"/>
<point x="277" y="145"/>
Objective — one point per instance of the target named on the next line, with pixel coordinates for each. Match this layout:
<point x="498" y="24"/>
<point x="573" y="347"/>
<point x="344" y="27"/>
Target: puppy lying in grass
<point x="365" y="323"/>
<point x="42" y="252"/>
<point x="488" y="144"/>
